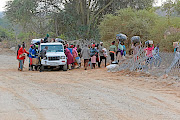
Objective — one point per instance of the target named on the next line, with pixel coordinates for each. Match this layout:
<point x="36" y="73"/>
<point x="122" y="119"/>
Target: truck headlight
<point x="45" y="58"/>
<point x="63" y="57"/>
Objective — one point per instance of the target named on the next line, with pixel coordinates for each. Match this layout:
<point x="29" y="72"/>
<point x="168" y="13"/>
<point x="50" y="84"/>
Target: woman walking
<point x="136" y="47"/>
<point x="75" y="54"/>
<point x="120" y="52"/>
<point x="149" y="54"/>
<point x="19" y="46"/>
<point x="70" y="59"/>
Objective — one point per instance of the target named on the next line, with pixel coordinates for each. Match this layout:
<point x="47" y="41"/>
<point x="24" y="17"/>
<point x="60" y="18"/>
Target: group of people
<point x="73" y="56"/>
<point x="32" y="53"/>
<point x="92" y="55"/>
<point x="118" y="52"/>
<point x="151" y="53"/>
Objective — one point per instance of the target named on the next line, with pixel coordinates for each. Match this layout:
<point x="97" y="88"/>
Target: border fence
<point x="158" y="65"/>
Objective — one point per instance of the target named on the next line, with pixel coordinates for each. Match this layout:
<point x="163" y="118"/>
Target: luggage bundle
<point x="175" y="44"/>
<point x="121" y="37"/>
<point x="78" y="60"/>
<point x="135" y="39"/>
<point x="149" y="42"/>
<point x="35" y="61"/>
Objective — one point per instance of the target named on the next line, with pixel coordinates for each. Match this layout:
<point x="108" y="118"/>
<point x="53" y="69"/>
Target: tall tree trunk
<point x="94" y="16"/>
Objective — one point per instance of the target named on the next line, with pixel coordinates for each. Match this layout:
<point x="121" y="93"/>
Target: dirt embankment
<point x="90" y="95"/>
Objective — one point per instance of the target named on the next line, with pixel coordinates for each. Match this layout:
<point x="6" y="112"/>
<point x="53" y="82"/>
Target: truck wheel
<point x="41" y="68"/>
<point x="65" y="68"/>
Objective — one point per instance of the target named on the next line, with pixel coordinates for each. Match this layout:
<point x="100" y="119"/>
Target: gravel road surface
<point x="84" y="95"/>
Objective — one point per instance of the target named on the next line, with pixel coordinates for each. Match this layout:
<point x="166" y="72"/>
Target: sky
<point x="3" y="3"/>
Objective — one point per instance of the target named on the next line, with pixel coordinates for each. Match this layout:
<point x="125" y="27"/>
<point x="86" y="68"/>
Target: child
<point x="149" y="54"/>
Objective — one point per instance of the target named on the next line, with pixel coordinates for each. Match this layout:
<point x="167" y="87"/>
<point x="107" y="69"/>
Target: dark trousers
<point x="112" y="56"/>
<point x="101" y="58"/>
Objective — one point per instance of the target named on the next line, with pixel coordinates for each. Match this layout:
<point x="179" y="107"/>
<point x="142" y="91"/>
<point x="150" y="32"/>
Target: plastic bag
<point x="135" y="39"/>
<point x="121" y="37"/>
<point x="113" y="68"/>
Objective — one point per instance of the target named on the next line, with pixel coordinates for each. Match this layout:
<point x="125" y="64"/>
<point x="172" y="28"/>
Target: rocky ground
<point x="87" y="95"/>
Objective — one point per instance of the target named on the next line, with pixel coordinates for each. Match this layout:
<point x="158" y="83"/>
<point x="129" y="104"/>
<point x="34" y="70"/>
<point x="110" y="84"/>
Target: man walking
<point x="22" y="56"/>
<point x="43" y="52"/>
<point x="101" y="54"/>
<point x="85" y="53"/>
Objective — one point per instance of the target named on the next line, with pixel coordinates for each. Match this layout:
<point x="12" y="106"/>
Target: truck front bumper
<point x="54" y="63"/>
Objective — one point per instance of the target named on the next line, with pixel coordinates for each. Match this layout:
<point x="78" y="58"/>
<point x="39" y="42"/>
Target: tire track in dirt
<point x="104" y="87"/>
<point x="167" y="106"/>
<point x="26" y="101"/>
<point x="71" y="97"/>
<point x="95" y="88"/>
<point x="22" y="81"/>
<point x="88" y="85"/>
<point x="93" y="83"/>
<point x="38" y="113"/>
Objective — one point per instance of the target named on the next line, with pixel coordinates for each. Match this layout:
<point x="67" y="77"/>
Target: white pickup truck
<point x="54" y="57"/>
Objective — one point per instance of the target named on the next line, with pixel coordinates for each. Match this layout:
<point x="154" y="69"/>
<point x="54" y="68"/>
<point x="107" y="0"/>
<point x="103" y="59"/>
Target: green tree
<point x="177" y="6"/>
<point x="28" y="15"/>
<point x="6" y="34"/>
<point x="73" y="18"/>
<point x="128" y="21"/>
<point x="168" y="6"/>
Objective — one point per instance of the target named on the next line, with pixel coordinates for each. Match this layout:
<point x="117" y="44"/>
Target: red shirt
<point x="20" y="52"/>
<point x="149" y="51"/>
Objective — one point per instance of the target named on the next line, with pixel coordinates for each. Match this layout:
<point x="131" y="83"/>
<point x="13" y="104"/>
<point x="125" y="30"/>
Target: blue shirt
<point x="93" y="51"/>
<point x="33" y="54"/>
<point x="70" y="49"/>
<point x="30" y="52"/>
<point x="124" y="48"/>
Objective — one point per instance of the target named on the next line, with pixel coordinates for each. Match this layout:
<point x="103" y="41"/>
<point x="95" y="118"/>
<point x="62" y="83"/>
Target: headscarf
<point x="72" y="46"/>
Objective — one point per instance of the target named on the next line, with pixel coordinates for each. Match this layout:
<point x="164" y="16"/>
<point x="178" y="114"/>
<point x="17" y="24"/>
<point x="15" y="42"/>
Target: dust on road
<point x="87" y="95"/>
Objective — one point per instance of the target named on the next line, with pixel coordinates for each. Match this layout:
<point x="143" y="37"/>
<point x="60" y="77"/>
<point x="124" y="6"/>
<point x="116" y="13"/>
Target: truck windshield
<point x="53" y="48"/>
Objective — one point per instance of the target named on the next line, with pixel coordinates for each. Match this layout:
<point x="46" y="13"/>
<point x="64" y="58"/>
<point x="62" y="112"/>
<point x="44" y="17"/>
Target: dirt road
<point x="84" y="95"/>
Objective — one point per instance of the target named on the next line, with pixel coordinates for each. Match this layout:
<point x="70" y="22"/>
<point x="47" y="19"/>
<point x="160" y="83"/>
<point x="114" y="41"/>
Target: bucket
<point x="78" y="60"/>
<point x="149" y="42"/>
<point x="175" y="44"/>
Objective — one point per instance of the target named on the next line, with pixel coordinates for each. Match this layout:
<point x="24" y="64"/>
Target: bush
<point x="167" y="44"/>
<point x="146" y="24"/>
<point x="128" y="21"/>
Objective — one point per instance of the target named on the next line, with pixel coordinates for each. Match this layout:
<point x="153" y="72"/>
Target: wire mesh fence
<point x="157" y="65"/>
